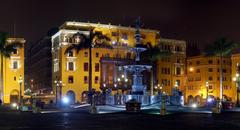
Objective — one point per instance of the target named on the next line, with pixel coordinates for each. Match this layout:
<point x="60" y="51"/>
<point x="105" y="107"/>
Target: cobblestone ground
<point x="122" y="121"/>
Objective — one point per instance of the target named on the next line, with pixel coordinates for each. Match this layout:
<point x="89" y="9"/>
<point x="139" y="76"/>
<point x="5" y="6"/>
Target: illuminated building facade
<point x="171" y="69"/>
<point x="70" y="71"/>
<point x="235" y="76"/>
<point x="13" y="71"/>
<point x="203" y="79"/>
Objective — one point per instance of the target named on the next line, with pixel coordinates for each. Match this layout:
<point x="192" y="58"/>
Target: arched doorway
<point x="190" y="99"/>
<point x="197" y="99"/>
<point x="71" y="96"/>
<point x="14" y="96"/>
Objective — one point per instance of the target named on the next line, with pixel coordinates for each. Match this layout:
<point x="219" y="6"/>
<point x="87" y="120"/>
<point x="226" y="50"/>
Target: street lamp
<point x="20" y="80"/>
<point x="236" y="80"/>
<point x="59" y="84"/>
<point x="207" y="88"/>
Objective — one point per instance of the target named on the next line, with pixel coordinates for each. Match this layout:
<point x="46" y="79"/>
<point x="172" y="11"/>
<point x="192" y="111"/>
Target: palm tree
<point x="5" y="52"/>
<point x="152" y="55"/>
<point x="221" y="47"/>
<point x="96" y="40"/>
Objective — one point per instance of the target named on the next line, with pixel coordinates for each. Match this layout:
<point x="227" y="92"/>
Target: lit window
<point x="70" y="79"/>
<point x="15" y="65"/>
<point x="70" y="66"/>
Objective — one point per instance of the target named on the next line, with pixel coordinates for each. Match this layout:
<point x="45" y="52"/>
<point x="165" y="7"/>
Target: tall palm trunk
<point x="153" y="76"/>
<point x="221" y="76"/>
<point x="90" y="69"/>
<point x="1" y="80"/>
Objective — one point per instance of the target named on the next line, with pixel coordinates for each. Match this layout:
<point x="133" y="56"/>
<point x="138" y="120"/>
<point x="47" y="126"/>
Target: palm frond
<point x="221" y="46"/>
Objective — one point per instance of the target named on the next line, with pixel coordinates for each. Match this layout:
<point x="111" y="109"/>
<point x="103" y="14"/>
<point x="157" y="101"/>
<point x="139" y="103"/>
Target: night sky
<point x="201" y="22"/>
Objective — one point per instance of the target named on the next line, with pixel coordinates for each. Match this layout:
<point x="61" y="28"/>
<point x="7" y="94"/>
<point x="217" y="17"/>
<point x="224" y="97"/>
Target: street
<point x="82" y="120"/>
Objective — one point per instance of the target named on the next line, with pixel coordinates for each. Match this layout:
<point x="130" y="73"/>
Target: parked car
<point x="227" y="105"/>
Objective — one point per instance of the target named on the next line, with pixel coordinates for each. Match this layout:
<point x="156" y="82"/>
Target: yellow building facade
<point x="235" y="75"/>
<point x="71" y="70"/>
<point x="171" y="69"/>
<point x="13" y="70"/>
<point x="203" y="79"/>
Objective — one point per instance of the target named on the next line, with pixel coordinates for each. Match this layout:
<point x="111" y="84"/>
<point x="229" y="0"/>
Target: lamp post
<point x="20" y="80"/>
<point x="207" y="89"/>
<point x="236" y="80"/>
<point x="59" y="85"/>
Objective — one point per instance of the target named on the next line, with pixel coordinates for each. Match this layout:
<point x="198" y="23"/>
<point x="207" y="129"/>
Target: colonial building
<point x="235" y="76"/>
<point x="13" y="73"/>
<point x="70" y="71"/>
<point x="171" y="68"/>
<point x="203" y="79"/>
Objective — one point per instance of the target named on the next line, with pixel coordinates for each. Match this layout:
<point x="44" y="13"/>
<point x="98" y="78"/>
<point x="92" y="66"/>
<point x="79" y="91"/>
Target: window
<point x="128" y="55"/>
<point x="224" y="70"/>
<point x="190" y="63"/>
<point x="218" y="78"/>
<point x="178" y="71"/>
<point x="168" y="71"/>
<point x="190" y="79"/>
<point x="96" y="80"/>
<point x="124" y="36"/>
<point x="107" y="55"/>
<point x="15" y="65"/>
<point x="198" y="62"/>
<point x="14" y="78"/>
<point x="210" y="87"/>
<point x="178" y="60"/>
<point x="210" y="69"/>
<point x="85" y="79"/>
<point x="198" y="70"/>
<point x="70" y="79"/>
<point x="210" y="62"/>
<point x="85" y="66"/>
<point x="115" y="33"/>
<point x="97" y="54"/>
<point x="96" y="67"/>
<point x="218" y="61"/>
<point x="70" y="66"/>
<point x="85" y="54"/>
<point x="190" y="87"/>
<point x="178" y="82"/>
<point x="70" y="53"/>
<point x="198" y="79"/>
<point x="210" y="78"/>
<point x="15" y="51"/>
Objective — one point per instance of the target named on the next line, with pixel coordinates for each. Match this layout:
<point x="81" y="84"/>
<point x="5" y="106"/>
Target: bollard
<point x="93" y="107"/>
<point x="163" y="106"/>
